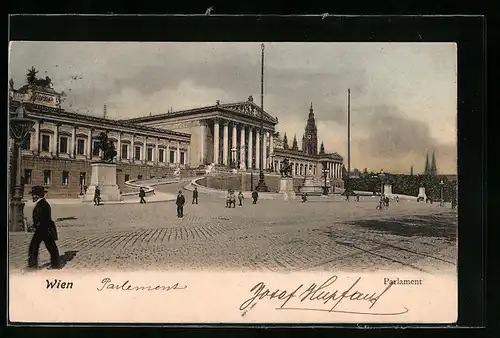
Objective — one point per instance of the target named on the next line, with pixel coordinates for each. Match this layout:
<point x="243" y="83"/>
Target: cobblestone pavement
<point x="273" y="235"/>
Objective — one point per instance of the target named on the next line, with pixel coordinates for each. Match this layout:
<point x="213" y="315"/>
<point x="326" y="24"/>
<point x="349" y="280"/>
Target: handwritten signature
<point x="330" y="299"/>
<point x="125" y="286"/>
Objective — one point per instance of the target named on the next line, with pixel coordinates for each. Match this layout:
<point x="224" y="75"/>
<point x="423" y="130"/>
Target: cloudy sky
<point x="403" y="96"/>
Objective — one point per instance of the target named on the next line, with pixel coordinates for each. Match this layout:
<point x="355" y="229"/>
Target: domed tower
<point x="311" y="134"/>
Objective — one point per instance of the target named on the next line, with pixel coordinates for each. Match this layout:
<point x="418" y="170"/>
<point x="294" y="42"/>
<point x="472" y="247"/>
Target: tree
<point x="322" y="148"/>
<point x="285" y="142"/>
<point x="31" y="75"/>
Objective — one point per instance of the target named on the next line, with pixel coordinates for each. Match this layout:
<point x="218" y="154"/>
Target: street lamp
<point x="441" y="184"/>
<point x="19" y="127"/>
<point x="381" y="176"/>
<point x="81" y="184"/>
<point x="325" y="174"/>
<point x="261" y="186"/>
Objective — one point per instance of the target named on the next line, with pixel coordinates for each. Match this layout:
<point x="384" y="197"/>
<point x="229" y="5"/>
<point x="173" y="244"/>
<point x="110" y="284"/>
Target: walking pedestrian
<point x="180" y="201"/>
<point x="45" y="230"/>
<point x="240" y="198"/>
<point x="195" y="195"/>
<point x="357" y="198"/>
<point x="97" y="196"/>
<point x="142" y="194"/>
<point x="255" y="196"/>
<point x="304" y="197"/>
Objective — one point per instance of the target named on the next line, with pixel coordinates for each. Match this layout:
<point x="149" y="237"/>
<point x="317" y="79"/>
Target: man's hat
<point x="180" y="191"/>
<point x="38" y="190"/>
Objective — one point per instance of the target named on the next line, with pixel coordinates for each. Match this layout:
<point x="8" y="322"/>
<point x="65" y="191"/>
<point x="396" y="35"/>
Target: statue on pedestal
<point x="286" y="170"/>
<point x="107" y="146"/>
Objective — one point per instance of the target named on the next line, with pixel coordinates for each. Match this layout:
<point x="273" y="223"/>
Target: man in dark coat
<point x="180" y="201"/>
<point x="97" y="196"/>
<point x="45" y="230"/>
<point x="255" y="196"/>
<point x="195" y="196"/>
<point x="142" y="194"/>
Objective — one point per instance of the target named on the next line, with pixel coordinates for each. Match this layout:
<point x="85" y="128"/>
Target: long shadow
<point x="63" y="259"/>
<point x="424" y="226"/>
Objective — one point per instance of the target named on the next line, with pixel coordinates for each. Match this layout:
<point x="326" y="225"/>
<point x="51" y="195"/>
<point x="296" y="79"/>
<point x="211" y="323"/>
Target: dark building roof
<point x="55" y="112"/>
<point x="247" y="108"/>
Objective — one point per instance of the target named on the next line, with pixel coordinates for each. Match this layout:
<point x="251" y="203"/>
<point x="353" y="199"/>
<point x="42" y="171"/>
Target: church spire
<point x="295" y="146"/>
<point x="427" y="167"/>
<point x="285" y="142"/>
<point x="433" y="164"/>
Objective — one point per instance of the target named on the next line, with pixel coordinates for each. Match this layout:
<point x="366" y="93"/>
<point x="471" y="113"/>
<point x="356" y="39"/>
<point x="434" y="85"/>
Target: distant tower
<point x="433" y="164"/>
<point x="311" y="134"/>
<point x="304" y="146"/>
<point x="411" y="170"/>
<point x="105" y="112"/>
<point x="427" y="169"/>
<point x="285" y="142"/>
<point x="295" y="147"/>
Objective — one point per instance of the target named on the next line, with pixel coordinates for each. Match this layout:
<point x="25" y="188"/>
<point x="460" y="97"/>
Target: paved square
<point x="273" y="235"/>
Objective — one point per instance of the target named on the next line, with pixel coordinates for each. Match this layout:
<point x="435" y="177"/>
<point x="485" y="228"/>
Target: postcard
<point x="232" y="182"/>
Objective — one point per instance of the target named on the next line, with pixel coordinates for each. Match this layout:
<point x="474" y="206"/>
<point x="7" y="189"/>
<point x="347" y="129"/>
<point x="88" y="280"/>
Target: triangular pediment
<point x="249" y="109"/>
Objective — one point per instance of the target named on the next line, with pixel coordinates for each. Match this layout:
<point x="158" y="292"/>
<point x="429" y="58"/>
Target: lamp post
<point x="81" y="184"/>
<point x="261" y="186"/>
<point x="19" y="127"/>
<point x="325" y="174"/>
<point x="381" y="176"/>
<point x="441" y="184"/>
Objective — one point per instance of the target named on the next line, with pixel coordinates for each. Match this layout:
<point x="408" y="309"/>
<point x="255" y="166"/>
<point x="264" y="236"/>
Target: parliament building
<point x="60" y="148"/>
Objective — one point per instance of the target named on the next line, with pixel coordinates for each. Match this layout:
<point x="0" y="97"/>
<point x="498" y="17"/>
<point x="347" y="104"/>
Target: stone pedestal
<point x="103" y="176"/>
<point x="286" y="188"/>
<point x="421" y="193"/>
<point x="388" y="190"/>
<point x="312" y="186"/>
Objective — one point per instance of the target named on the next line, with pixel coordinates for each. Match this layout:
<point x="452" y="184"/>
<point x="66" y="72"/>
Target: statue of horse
<point x="107" y="146"/>
<point x="286" y="169"/>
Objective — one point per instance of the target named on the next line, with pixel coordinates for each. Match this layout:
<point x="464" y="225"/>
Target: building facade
<point x="308" y="161"/>
<point x="223" y="134"/>
<point x="60" y="147"/>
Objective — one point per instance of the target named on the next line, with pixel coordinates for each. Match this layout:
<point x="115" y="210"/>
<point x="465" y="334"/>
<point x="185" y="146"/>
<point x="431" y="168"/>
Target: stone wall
<point x="234" y="181"/>
<point x="56" y="188"/>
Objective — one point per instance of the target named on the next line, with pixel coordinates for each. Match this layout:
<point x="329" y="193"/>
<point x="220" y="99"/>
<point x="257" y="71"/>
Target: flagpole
<point x="261" y="186"/>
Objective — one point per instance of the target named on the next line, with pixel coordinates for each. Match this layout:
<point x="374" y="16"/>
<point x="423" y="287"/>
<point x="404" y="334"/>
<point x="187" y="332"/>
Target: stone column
<point x="89" y="145"/>
<point x="257" y="148"/>
<point x="72" y="149"/>
<point x="156" y="154"/>
<point x="242" y="144"/>
<point x="119" y="147"/>
<point x="250" y="146"/>
<point x="36" y="145"/>
<point x="216" y="141"/>
<point x="234" y="143"/>
<point x="178" y="155"/>
<point x="145" y="150"/>
<point x="203" y="135"/>
<point x="271" y="144"/>
<point x="264" y="150"/>
<point x="168" y="152"/>
<point x="55" y="148"/>
<point x="131" y="151"/>
<point x="225" y="143"/>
